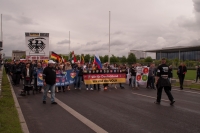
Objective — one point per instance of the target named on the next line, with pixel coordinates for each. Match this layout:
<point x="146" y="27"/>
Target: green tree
<point x="87" y="58"/>
<point x="105" y="58"/>
<point x="131" y="58"/>
<point x="148" y="59"/>
<point x="176" y="62"/>
<point x="78" y="57"/>
<point x="23" y="57"/>
<point x="101" y="58"/>
<point x="123" y="59"/>
<point x="65" y="57"/>
<point x="113" y="59"/>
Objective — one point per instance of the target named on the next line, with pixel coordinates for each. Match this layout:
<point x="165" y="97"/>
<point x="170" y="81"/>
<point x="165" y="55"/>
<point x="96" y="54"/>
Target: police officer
<point x="163" y="81"/>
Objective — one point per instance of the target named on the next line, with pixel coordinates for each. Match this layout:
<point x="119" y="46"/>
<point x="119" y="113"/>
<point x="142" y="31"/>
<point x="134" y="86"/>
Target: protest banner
<point x="142" y="75"/>
<point x="62" y="78"/>
<point x="104" y="77"/>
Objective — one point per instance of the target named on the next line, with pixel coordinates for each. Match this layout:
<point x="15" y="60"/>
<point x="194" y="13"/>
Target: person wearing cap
<point x="162" y="81"/>
<point x="49" y="81"/>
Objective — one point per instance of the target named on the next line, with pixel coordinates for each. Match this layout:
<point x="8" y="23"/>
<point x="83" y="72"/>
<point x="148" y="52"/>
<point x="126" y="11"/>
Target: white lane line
<point x="186" y="91"/>
<point x="20" y="114"/>
<point x="80" y="117"/>
<point x="149" y="96"/>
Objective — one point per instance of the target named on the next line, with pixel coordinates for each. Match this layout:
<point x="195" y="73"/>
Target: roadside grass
<point x="195" y="86"/>
<point x="9" y="120"/>
<point x="190" y="75"/>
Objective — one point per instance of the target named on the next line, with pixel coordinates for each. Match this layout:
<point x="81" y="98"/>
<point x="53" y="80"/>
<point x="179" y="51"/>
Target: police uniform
<point x="163" y="82"/>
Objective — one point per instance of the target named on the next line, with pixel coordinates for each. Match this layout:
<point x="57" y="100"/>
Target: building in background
<point x="180" y="52"/>
<point x="18" y="54"/>
<point x="139" y="54"/>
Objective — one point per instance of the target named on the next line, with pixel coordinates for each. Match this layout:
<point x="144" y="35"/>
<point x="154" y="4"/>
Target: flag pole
<point x="69" y="44"/>
<point x="109" y="40"/>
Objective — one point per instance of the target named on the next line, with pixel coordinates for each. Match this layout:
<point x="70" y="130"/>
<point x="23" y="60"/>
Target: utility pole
<point x="109" y="40"/>
<point x="69" y="45"/>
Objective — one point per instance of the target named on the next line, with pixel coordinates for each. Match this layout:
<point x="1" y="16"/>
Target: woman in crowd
<point x="67" y="66"/>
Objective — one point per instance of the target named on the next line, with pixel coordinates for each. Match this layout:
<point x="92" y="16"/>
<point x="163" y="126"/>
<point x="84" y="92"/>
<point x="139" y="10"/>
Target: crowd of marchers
<point x="26" y="74"/>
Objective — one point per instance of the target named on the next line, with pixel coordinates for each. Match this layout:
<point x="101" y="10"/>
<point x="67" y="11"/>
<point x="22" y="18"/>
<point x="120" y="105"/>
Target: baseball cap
<point x="51" y="61"/>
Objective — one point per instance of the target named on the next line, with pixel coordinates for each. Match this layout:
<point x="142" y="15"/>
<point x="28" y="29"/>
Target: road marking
<point x="149" y="96"/>
<point x="80" y="117"/>
<point x="186" y="91"/>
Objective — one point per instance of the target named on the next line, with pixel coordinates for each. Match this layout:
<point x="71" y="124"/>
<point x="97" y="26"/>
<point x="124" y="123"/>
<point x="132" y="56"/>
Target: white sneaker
<point x="87" y="89"/>
<point x="75" y="88"/>
<point x="115" y="87"/>
<point x="91" y="89"/>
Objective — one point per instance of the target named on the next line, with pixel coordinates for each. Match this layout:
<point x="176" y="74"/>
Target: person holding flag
<point x="82" y="60"/>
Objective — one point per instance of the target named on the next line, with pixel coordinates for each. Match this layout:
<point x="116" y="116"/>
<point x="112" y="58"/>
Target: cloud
<point x="92" y="42"/>
<point x="161" y="42"/>
<point x="64" y="42"/>
<point x="196" y="5"/>
<point x="158" y="24"/>
<point x="26" y="21"/>
<point x="22" y="20"/>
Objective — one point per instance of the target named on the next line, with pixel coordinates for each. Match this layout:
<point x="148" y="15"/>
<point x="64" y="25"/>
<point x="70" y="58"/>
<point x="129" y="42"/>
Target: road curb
<point x="20" y="114"/>
<point x="187" y="88"/>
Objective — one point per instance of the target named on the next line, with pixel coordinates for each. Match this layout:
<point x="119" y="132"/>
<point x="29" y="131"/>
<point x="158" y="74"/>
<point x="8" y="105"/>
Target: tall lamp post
<point x="109" y="40"/>
<point x="69" y="45"/>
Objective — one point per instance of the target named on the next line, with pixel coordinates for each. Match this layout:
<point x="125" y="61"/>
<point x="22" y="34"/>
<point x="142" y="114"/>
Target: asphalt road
<point x="115" y="110"/>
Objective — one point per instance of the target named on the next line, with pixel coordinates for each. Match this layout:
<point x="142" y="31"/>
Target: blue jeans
<point x="152" y="81"/>
<point x="46" y="89"/>
<point x="89" y="86"/>
<point x="133" y="81"/>
<point x="78" y="82"/>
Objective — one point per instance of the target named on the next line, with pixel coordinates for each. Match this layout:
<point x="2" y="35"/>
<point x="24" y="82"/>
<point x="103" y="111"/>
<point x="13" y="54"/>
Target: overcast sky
<point x="135" y="24"/>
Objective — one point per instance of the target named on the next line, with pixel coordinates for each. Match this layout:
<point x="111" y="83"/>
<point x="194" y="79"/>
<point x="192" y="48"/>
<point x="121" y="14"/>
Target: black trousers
<point x="16" y="78"/>
<point x="197" y="77"/>
<point x="37" y="88"/>
<point x="181" y="79"/>
<point x="59" y="88"/>
<point x="94" y="86"/>
<point x="167" y="91"/>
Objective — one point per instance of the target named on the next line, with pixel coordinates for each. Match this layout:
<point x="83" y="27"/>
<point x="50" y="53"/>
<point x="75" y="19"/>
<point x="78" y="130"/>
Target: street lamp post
<point x="109" y="40"/>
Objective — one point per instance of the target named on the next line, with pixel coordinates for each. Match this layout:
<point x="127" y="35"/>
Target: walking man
<point x="49" y="81"/>
<point x="182" y="69"/>
<point x="163" y="81"/>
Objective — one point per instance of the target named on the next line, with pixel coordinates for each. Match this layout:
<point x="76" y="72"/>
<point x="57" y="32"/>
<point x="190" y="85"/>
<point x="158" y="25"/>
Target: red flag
<point x="73" y="57"/>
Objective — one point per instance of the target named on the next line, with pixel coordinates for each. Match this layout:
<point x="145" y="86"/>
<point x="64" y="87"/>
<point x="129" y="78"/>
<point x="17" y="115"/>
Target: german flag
<point x="56" y="57"/>
<point x="82" y="59"/>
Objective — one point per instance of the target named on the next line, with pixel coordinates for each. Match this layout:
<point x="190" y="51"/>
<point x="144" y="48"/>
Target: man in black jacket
<point x="49" y="81"/>
<point x="198" y="74"/>
<point x="181" y="74"/>
<point x="162" y="81"/>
